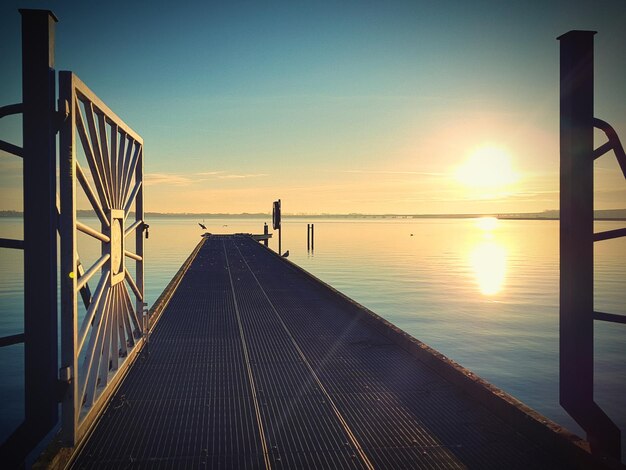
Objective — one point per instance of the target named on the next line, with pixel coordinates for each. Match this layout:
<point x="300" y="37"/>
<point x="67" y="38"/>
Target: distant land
<point x="607" y="214"/>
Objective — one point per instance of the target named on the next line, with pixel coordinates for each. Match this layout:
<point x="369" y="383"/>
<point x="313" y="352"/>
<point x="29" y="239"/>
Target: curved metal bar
<point x="132" y="284"/>
<point x="84" y="182"/>
<point x="132" y="255"/>
<point x="131" y="198"/>
<point x="614" y="142"/>
<point x="10" y="109"/>
<point x="133" y="227"/>
<point x="11" y="148"/>
<point x="91" y="271"/>
<point x="91" y="311"/>
<point x="86" y="229"/>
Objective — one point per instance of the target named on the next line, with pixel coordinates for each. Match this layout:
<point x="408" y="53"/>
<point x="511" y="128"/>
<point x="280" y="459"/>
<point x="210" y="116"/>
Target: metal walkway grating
<point x="254" y="364"/>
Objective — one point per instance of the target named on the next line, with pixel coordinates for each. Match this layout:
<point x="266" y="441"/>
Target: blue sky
<point x="332" y="106"/>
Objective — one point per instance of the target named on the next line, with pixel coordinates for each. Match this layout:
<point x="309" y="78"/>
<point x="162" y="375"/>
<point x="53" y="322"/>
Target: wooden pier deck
<point x="256" y="364"/>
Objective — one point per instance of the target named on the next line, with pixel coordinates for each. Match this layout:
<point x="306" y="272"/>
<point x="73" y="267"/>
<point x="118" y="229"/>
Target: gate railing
<point x="96" y="350"/>
<point x="101" y="164"/>
<point x="577" y="313"/>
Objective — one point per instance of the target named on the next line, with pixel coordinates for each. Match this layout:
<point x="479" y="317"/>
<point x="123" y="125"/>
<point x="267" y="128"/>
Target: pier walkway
<point x="256" y="364"/>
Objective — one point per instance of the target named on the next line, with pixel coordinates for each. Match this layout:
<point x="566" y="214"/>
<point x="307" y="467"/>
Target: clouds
<point x="190" y="179"/>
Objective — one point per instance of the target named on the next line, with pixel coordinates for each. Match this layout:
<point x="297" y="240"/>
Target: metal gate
<point x="95" y="354"/>
<point x="102" y="317"/>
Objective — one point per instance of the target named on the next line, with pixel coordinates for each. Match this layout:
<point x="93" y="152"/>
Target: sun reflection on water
<point x="489" y="263"/>
<point x="488" y="259"/>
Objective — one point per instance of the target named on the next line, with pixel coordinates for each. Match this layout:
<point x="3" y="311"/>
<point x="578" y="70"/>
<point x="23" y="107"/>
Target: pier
<point x="254" y="363"/>
<point x="246" y="360"/>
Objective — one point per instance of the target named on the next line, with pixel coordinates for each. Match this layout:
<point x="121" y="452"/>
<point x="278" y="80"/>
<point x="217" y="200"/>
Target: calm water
<point x="483" y="292"/>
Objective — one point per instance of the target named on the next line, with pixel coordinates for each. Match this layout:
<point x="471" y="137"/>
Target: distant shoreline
<point x="606" y="215"/>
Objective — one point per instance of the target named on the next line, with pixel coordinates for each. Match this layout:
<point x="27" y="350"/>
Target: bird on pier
<point x="286" y="254"/>
<point x="202" y="226"/>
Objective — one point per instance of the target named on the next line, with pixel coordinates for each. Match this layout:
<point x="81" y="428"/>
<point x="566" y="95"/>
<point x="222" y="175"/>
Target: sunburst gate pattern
<point x="106" y="160"/>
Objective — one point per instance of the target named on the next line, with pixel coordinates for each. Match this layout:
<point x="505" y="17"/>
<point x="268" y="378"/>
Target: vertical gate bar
<point x="69" y="301"/>
<point x="139" y="234"/>
<point x="576" y="244"/>
<point x="40" y="224"/>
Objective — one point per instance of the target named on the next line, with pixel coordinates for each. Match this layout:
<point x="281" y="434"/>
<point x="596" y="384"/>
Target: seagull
<point x="286" y="254"/>
<point x="202" y="226"/>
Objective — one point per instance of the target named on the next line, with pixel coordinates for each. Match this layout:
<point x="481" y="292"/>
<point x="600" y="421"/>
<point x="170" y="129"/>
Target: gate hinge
<point x="63" y="383"/>
<point x="61" y="115"/>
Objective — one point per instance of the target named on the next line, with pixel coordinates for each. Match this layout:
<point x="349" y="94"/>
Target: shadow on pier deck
<point x="254" y="363"/>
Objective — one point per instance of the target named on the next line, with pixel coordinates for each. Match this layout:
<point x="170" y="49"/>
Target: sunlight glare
<point x="489" y="263"/>
<point x="487" y="167"/>
<point x="487" y="224"/>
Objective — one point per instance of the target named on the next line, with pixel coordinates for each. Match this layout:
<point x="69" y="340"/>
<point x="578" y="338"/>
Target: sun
<point x="488" y="167"/>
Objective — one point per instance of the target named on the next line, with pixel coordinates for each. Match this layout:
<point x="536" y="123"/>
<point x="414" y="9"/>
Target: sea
<point x="482" y="291"/>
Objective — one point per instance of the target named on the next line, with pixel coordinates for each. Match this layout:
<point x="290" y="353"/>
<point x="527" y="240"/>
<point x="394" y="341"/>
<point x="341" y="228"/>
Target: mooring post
<point x="39" y="127"/>
<point x="312" y="237"/>
<point x="308" y="237"/>
<point x="265" y="232"/>
<point x="576" y="243"/>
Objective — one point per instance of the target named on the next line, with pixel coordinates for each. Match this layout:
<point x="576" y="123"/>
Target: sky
<point x="406" y="107"/>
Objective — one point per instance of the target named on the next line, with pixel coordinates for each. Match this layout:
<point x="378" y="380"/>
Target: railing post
<point x="576" y="243"/>
<point x="67" y="226"/>
<point x="139" y="238"/>
<point x="576" y="231"/>
<point x="40" y="222"/>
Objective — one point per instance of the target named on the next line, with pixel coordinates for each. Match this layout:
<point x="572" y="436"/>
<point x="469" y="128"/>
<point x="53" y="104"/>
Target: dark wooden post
<point x="312" y="237"/>
<point x="308" y="237"/>
<point x="265" y="232"/>
<point x="40" y="222"/>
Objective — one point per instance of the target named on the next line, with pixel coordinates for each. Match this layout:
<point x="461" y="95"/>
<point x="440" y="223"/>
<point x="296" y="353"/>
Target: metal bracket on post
<point x="9" y="110"/>
<point x="576" y="241"/>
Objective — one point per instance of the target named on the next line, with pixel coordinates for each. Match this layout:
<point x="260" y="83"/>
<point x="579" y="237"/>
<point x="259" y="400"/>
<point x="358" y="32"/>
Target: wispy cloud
<point x="176" y="179"/>
<point x="152" y="179"/>
<point x="391" y="172"/>
<point x="236" y="176"/>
